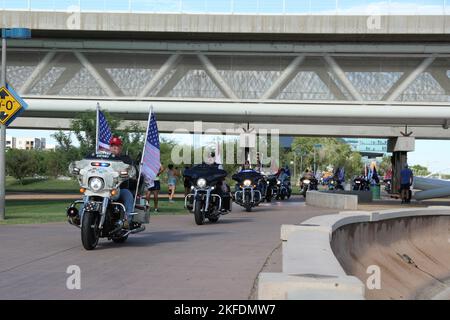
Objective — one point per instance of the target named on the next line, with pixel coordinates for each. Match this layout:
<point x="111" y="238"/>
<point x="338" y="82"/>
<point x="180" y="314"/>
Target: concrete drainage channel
<point x="390" y="254"/>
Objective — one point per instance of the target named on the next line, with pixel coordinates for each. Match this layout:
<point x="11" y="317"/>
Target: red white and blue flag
<point x="103" y="132"/>
<point x="151" y="161"/>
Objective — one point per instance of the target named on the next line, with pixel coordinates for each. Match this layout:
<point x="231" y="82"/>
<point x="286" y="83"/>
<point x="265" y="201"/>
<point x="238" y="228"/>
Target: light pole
<point x="14" y="33"/>
<point x="297" y="150"/>
<point x="316" y="146"/>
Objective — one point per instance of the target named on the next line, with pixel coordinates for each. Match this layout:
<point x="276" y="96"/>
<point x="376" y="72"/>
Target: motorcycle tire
<point x="198" y="214"/>
<point x="89" y="230"/>
<point x="248" y="208"/>
<point x="120" y="239"/>
<point x="269" y="196"/>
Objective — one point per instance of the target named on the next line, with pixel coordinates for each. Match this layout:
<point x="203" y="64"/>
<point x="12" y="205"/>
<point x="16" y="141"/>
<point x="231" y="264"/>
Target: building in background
<point x="10" y="142"/>
<point x="25" y="143"/>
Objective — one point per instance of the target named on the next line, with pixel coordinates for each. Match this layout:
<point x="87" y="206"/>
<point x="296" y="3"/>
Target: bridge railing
<point x="263" y="7"/>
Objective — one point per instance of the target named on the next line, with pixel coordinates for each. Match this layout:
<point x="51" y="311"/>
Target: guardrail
<point x="310" y="270"/>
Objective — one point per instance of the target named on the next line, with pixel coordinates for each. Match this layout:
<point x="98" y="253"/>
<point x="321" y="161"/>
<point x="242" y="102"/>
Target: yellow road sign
<point x="9" y="105"/>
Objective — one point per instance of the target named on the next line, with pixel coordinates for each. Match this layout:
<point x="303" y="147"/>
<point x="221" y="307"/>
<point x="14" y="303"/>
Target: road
<point x="172" y="259"/>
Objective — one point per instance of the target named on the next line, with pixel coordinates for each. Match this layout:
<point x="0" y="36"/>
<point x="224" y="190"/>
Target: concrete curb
<point x="332" y="200"/>
<point x="310" y="269"/>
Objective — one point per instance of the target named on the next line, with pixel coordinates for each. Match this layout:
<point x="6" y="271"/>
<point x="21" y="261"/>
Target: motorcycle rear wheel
<point x="89" y="230"/>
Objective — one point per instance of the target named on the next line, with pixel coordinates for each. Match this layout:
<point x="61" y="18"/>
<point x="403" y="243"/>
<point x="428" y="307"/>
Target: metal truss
<point x="325" y="73"/>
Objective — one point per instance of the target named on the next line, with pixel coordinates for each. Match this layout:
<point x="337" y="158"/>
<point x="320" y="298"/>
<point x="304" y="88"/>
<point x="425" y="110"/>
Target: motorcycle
<point x="334" y="184"/>
<point x="99" y="215"/>
<point x="248" y="189"/>
<point x="284" y="189"/>
<point x="207" y="199"/>
<point x="308" y="184"/>
<point x="388" y="185"/>
<point x="361" y="184"/>
<point x="271" y="187"/>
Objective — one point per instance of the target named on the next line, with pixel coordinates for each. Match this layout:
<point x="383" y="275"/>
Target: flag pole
<point x="150" y="112"/>
<point x="96" y="129"/>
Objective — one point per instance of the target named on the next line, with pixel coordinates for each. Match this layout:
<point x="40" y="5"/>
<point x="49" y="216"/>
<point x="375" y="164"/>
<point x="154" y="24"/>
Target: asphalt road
<point x="172" y="259"/>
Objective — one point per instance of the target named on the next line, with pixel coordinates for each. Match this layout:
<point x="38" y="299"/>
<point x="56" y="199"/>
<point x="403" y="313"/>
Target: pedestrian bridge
<point x="318" y="72"/>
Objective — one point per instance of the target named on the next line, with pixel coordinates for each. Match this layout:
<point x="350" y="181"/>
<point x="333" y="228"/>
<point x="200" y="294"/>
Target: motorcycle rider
<point x="125" y="195"/>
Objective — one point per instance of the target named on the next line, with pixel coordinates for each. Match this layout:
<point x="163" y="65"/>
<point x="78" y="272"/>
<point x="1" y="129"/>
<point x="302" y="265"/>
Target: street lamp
<point x="7" y="33"/>
<point x="316" y="146"/>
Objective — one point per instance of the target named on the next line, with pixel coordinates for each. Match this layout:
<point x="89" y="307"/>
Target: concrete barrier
<point x="311" y="269"/>
<point x="332" y="200"/>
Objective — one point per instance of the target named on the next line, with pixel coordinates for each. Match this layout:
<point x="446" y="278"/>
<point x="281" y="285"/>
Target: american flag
<point x="151" y="156"/>
<point x="103" y="132"/>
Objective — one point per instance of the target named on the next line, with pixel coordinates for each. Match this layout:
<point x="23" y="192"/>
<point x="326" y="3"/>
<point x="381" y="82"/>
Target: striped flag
<point x="103" y="132"/>
<point x="151" y="161"/>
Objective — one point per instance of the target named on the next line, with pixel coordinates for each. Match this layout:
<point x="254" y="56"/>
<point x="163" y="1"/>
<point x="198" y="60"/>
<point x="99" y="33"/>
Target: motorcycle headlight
<point x="247" y="183"/>
<point x="201" y="183"/>
<point x="307" y="181"/>
<point x="279" y="182"/>
<point x="96" y="184"/>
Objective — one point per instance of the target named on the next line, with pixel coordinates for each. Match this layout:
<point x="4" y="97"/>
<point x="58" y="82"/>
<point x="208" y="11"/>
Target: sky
<point x="240" y="6"/>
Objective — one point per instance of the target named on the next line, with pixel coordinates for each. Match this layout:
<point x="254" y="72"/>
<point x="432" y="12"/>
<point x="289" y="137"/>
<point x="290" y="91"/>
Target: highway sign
<point x="11" y="105"/>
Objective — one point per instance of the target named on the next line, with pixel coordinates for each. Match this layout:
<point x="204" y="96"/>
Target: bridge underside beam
<point x="287" y="113"/>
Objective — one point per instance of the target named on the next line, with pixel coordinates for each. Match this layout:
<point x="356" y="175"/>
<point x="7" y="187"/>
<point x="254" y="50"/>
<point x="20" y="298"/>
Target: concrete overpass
<point x="333" y="75"/>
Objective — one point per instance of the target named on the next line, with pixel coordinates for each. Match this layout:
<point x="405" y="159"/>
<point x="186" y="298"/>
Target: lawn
<point x="46" y="211"/>
<point x="33" y="185"/>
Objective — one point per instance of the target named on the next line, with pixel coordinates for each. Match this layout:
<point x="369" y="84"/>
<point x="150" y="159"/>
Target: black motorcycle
<point x="271" y="187"/>
<point x="308" y="184"/>
<point x="284" y="189"/>
<point x="207" y="198"/>
<point x="361" y="184"/>
<point x="388" y="185"/>
<point x="248" y="189"/>
<point x="335" y="184"/>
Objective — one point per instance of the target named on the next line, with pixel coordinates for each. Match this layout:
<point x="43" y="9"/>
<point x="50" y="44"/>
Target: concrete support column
<point x="399" y="159"/>
<point x="399" y="147"/>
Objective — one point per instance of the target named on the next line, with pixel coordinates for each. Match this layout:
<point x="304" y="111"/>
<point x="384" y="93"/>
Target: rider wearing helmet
<point x="125" y="197"/>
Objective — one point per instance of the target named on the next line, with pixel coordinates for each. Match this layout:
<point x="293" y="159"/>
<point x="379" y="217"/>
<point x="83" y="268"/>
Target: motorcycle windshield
<point x="102" y="156"/>
<point x="210" y="173"/>
<point x="247" y="175"/>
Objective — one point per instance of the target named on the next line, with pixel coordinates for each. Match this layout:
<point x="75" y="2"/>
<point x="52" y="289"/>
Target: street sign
<point x="11" y="105"/>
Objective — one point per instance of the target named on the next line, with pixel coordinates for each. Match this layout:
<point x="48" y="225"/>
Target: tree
<point x="419" y="170"/>
<point x="334" y="153"/>
<point x="20" y="164"/>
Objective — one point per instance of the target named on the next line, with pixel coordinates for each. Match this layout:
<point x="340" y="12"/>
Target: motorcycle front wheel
<point x="198" y="214"/>
<point x="89" y="230"/>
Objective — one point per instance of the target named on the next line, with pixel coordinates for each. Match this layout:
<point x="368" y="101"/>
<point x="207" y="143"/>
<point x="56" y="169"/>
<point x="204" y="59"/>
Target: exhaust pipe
<point x="134" y="231"/>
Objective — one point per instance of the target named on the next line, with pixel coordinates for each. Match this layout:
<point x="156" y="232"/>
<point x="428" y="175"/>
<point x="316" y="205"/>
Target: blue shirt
<point x="406" y="175"/>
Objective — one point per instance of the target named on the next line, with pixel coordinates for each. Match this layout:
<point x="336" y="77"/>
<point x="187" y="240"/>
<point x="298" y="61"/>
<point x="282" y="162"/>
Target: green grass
<point x="42" y="185"/>
<point x="46" y="211"/>
<point x="35" y="211"/>
<point x="34" y="185"/>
